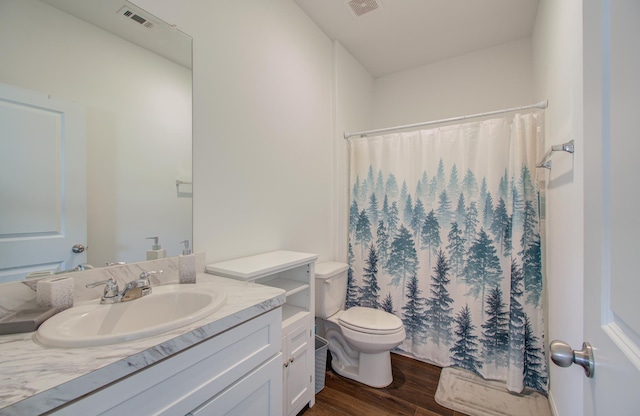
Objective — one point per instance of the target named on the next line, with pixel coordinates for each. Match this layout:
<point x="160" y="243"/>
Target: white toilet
<point x="360" y="339"/>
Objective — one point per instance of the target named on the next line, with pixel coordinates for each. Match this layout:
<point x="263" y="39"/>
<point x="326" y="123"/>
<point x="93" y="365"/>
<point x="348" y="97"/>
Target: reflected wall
<point x="138" y="108"/>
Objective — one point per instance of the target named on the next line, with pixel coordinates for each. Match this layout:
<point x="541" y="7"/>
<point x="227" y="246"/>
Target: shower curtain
<point x="444" y="232"/>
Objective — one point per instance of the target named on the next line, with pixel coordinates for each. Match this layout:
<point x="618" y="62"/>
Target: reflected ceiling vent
<point x="361" y="7"/>
<point x="132" y="15"/>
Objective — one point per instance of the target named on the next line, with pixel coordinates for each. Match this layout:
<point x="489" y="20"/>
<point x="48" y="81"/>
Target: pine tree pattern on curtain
<point x="444" y="232"/>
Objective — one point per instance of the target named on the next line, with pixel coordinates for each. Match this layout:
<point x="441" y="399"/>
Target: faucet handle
<point x="146" y="275"/>
<point x="111" y="289"/>
<point x="108" y="282"/>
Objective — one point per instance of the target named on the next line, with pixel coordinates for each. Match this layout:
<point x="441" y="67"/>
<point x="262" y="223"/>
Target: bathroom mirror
<point x="131" y="74"/>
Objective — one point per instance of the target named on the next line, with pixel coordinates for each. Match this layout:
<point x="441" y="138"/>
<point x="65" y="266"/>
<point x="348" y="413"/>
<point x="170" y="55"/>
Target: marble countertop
<point x="36" y="379"/>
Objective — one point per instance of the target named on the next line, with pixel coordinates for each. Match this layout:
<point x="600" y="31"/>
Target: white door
<point x="612" y="199"/>
<point x="42" y="183"/>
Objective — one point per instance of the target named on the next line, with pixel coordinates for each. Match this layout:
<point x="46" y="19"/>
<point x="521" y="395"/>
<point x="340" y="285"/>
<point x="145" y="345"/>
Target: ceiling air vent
<point x="361" y="7"/>
<point x="127" y="13"/>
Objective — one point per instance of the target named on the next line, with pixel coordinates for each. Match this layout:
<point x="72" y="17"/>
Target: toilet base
<point x="372" y="369"/>
<point x="363" y="357"/>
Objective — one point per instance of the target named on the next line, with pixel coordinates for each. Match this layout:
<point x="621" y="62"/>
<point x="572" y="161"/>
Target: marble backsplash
<point x="22" y="295"/>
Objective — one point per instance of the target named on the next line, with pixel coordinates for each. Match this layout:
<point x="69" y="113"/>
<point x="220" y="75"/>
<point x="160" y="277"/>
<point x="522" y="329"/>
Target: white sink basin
<point x="166" y="308"/>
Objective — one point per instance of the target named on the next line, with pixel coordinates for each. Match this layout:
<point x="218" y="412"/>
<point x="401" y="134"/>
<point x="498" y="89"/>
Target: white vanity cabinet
<point x="235" y="373"/>
<point x="294" y="272"/>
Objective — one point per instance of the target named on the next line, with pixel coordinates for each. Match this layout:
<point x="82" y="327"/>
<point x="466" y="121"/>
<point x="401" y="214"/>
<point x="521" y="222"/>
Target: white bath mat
<point x="465" y="392"/>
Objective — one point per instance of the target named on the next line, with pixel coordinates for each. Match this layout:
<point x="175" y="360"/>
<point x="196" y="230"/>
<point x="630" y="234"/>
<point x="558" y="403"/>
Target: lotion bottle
<point x="156" y="251"/>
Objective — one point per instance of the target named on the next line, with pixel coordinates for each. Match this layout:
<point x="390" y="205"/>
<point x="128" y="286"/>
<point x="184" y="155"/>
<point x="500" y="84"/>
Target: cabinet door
<point x="256" y="394"/>
<point x="298" y="373"/>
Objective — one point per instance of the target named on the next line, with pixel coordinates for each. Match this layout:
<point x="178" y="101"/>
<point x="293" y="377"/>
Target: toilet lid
<point x="370" y="321"/>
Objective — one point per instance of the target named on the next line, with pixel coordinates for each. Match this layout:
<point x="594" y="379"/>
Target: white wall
<point x="245" y="59"/>
<point x="354" y="89"/>
<point x="485" y="80"/>
<point x="263" y="123"/>
<point x="557" y="50"/>
<point x="138" y="123"/>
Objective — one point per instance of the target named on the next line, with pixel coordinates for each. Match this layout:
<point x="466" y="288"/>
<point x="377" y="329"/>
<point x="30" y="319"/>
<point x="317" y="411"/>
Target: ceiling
<point x="148" y="31"/>
<point x="404" y="34"/>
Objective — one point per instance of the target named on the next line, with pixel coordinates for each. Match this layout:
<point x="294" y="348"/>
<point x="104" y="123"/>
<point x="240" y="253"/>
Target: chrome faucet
<point x="137" y="288"/>
<point x="78" y="268"/>
<point x="133" y="290"/>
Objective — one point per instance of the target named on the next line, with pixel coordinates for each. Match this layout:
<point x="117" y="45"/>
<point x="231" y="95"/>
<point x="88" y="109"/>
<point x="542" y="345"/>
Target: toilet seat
<point x="370" y="321"/>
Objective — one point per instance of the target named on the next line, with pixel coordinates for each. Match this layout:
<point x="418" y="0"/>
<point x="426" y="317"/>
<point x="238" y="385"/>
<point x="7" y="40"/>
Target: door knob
<point x="564" y="356"/>
<point x="78" y="248"/>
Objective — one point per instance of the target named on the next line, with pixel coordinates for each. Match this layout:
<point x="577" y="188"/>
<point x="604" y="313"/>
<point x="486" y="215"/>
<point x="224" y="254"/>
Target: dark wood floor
<point x="411" y="393"/>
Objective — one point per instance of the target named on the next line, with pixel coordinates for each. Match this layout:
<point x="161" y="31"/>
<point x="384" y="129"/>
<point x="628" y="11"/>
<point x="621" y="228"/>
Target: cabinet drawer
<point x="256" y="394"/>
<point x="182" y="382"/>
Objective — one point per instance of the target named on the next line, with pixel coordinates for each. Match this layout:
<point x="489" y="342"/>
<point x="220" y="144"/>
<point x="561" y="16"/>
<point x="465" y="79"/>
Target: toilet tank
<point x="331" y="287"/>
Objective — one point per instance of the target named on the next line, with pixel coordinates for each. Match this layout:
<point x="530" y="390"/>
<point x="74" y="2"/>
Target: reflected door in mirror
<point x="43" y="202"/>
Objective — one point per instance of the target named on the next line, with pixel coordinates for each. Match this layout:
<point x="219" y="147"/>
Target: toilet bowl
<point x="360" y="339"/>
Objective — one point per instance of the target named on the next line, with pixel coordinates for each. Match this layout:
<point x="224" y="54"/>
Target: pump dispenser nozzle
<point x="185" y="247"/>
<point x="156" y="243"/>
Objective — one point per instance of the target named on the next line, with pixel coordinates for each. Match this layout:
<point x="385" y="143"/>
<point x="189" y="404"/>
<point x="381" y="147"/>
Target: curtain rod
<point x="542" y="105"/>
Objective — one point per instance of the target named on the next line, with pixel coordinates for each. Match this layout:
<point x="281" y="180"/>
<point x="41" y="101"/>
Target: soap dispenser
<point x="186" y="264"/>
<point x="156" y="251"/>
